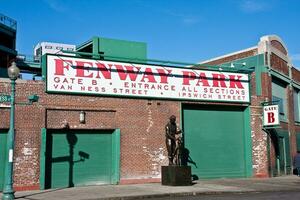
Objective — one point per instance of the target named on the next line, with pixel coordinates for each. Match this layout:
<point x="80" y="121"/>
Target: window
<point x="296" y="105"/>
<point x="279" y="101"/>
<point x="279" y="97"/>
<point x="59" y="48"/>
<point x="38" y="51"/>
<point x="48" y="47"/>
<point x="70" y="49"/>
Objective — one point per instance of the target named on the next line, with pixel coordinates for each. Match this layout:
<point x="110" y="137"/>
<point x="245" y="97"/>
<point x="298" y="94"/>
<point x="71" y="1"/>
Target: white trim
<point x="4" y="105"/>
<point x="227" y="55"/>
<point x="269" y="38"/>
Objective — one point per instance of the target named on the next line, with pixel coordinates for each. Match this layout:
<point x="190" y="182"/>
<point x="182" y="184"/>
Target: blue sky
<point x="178" y="30"/>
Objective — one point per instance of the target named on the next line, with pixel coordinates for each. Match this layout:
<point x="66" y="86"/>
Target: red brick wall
<point x="259" y="137"/>
<point x="279" y="64"/>
<point x="279" y="46"/>
<point x="233" y="57"/>
<point x="296" y="75"/>
<point x="141" y="122"/>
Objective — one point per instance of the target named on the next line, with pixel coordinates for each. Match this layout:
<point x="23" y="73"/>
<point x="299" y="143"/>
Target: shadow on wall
<point x="72" y="141"/>
<point x="186" y="159"/>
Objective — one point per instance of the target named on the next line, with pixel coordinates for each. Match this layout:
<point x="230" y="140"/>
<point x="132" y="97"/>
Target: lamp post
<point x="8" y="192"/>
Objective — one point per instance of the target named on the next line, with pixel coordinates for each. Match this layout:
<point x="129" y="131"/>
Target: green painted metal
<point x="248" y="142"/>
<point x="284" y="153"/>
<point x="76" y="158"/>
<point x="258" y="63"/>
<point x="116" y="156"/>
<point x="279" y="93"/>
<point x="280" y="76"/>
<point x="298" y="140"/>
<point x="4" y="98"/>
<point x="3" y="72"/>
<point x="95" y="48"/>
<point x="296" y="85"/>
<point x="105" y="47"/>
<point x="215" y="137"/>
<point x="8" y="50"/>
<point x="43" y="158"/>
<point x="44" y="67"/>
<point x="3" y="138"/>
<point x="296" y="97"/>
<point x="8" y="191"/>
<point x="122" y="48"/>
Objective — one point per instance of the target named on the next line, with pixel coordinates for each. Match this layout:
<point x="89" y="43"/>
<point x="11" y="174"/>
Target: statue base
<point x="176" y="175"/>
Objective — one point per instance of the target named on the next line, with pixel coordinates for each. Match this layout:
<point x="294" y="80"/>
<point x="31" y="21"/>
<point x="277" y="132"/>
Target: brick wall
<point x="296" y="75"/>
<point x="279" y="64"/>
<point x="237" y="56"/>
<point x="276" y="44"/>
<point x="259" y="137"/>
<point x="141" y="122"/>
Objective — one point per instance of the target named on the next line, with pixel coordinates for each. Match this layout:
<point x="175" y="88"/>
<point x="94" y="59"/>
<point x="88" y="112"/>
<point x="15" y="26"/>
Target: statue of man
<point x="172" y="137"/>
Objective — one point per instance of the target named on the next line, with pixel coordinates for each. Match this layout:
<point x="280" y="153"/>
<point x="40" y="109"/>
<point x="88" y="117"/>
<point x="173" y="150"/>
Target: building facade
<point x="8" y="31"/>
<point x="275" y="81"/>
<point x="101" y="120"/>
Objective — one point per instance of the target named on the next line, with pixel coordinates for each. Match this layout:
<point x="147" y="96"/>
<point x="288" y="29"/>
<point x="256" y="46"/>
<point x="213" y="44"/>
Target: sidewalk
<point x="139" y="191"/>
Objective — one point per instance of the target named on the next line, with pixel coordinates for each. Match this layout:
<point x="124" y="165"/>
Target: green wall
<point x="3" y="138"/>
<point x="121" y="48"/>
<point x="79" y="157"/>
<point x="218" y="141"/>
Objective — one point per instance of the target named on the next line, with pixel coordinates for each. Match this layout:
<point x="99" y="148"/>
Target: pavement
<point x="144" y="191"/>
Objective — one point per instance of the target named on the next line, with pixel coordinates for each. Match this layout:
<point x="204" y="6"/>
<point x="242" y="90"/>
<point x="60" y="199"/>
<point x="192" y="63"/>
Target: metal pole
<point x="8" y="192"/>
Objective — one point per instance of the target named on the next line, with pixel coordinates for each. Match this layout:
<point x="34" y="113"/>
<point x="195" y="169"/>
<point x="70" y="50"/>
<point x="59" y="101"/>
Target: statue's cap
<point x="172" y="117"/>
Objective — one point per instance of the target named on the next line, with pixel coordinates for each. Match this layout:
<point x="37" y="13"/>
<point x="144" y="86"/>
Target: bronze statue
<point x="173" y="141"/>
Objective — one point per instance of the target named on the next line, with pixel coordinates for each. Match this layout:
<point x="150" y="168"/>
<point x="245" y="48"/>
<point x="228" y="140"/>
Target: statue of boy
<point x="173" y="140"/>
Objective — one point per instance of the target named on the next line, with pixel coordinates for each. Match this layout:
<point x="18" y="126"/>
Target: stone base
<point x="176" y="175"/>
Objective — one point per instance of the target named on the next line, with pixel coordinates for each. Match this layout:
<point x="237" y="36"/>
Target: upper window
<point x="38" y="51"/>
<point x="48" y="47"/>
<point x="279" y="97"/>
<point x="296" y="105"/>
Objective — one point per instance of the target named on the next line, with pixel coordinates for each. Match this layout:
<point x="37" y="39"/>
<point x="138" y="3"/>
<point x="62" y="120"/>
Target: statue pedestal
<point x="176" y="175"/>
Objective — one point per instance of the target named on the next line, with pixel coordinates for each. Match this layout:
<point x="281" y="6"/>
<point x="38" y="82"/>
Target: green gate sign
<point x="4" y="98"/>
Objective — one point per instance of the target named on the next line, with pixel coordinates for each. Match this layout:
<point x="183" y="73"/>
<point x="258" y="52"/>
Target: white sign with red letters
<point x="271" y="115"/>
<point x="87" y="76"/>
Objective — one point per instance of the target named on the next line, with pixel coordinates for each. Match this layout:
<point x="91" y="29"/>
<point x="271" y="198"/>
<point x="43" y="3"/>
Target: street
<point x="293" y="195"/>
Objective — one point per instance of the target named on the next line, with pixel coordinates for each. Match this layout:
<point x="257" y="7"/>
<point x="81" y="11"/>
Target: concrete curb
<point x="183" y="194"/>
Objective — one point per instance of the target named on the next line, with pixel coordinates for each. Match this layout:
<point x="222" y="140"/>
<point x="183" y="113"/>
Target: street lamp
<point x="8" y="192"/>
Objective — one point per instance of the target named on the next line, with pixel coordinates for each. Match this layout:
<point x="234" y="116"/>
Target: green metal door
<point x="76" y="158"/>
<point x="3" y="136"/>
<point x="284" y="158"/>
<point x="215" y="141"/>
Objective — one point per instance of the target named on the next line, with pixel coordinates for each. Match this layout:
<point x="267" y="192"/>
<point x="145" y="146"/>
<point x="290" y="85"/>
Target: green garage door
<point x="215" y="141"/>
<point x="76" y="158"/>
<point x="3" y="136"/>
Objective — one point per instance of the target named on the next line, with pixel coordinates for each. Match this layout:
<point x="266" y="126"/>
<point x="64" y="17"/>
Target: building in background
<point x="8" y="31"/>
<point x="53" y="48"/>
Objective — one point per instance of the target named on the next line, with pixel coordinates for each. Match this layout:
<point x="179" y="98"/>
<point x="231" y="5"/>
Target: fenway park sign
<point x="87" y="76"/>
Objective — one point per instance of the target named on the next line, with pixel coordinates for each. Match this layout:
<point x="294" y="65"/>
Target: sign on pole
<point x="4" y="98"/>
<point x="271" y="115"/>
